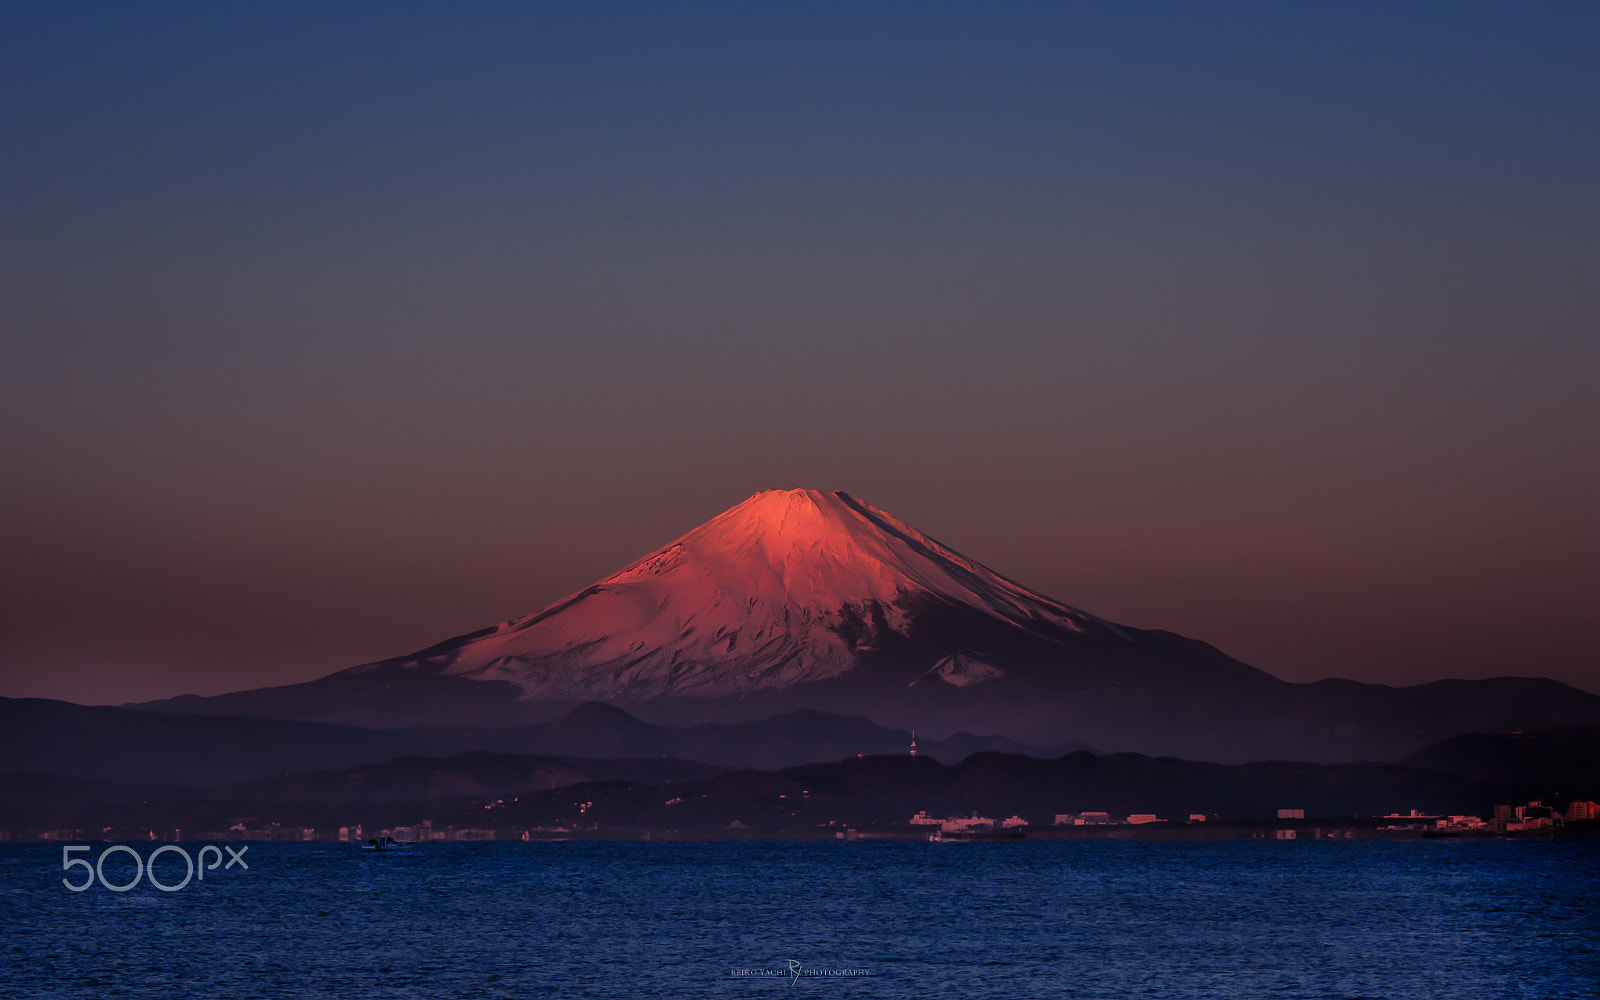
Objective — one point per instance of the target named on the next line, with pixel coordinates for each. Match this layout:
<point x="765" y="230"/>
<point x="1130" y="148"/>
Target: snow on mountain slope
<point x="785" y="588"/>
<point x="816" y="606"/>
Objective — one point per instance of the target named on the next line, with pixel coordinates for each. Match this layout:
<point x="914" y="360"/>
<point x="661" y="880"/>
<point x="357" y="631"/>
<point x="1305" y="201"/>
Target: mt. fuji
<point x="788" y="589"/>
<point x="802" y="599"/>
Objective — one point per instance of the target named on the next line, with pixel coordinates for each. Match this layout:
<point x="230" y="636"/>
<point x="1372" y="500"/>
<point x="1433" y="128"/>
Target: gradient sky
<point x="328" y="331"/>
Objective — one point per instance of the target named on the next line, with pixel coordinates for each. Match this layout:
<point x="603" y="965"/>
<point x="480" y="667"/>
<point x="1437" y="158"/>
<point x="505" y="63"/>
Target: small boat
<point x="387" y="844"/>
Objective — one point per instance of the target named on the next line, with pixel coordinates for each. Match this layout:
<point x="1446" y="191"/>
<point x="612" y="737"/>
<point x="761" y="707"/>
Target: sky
<point x="329" y="331"/>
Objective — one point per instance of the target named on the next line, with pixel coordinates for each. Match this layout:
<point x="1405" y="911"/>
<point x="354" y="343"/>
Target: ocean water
<point x="869" y="919"/>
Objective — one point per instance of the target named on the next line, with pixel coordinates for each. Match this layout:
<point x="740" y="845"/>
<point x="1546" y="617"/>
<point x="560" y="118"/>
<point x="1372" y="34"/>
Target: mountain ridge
<point x="143" y="747"/>
<point x="511" y="793"/>
<point x="800" y="599"/>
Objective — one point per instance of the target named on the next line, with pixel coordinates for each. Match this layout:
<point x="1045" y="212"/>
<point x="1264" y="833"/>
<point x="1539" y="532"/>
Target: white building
<point x="963" y="824"/>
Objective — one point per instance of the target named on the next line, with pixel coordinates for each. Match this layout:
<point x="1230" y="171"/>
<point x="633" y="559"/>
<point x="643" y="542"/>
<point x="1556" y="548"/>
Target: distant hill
<point x="131" y="746"/>
<point x="888" y="790"/>
<point x="1565" y="762"/>
<point x="475" y="775"/>
<point x="35" y="800"/>
<point x="629" y="796"/>
<point x="123" y="745"/>
<point x="805" y="736"/>
<point x="392" y="788"/>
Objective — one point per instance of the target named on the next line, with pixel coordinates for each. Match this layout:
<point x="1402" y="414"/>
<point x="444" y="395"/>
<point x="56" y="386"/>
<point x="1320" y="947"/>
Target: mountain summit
<point x="789" y="587"/>
<point x="807" y="600"/>
<point x="816" y="596"/>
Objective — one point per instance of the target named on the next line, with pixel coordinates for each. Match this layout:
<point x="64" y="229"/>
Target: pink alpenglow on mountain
<point x="799" y="601"/>
<point x="764" y="596"/>
<point x="794" y="599"/>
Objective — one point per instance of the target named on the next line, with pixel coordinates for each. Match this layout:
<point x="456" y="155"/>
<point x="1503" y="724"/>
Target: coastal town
<point x="1532" y="819"/>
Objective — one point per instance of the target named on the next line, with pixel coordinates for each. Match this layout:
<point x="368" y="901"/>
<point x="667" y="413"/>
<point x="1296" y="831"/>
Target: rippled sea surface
<point x="1035" y="919"/>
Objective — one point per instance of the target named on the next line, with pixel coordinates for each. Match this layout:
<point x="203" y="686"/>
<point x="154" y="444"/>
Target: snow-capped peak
<point x="760" y="596"/>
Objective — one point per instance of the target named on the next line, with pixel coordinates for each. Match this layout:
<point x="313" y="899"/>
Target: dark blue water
<point x="1086" y="919"/>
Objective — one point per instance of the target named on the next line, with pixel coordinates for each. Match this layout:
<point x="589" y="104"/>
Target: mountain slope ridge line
<point x="811" y="600"/>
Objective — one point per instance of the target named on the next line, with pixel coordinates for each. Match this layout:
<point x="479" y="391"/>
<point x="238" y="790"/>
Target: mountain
<point x="805" y="600"/>
<point x="626" y="797"/>
<point x="888" y="790"/>
<point x="476" y="775"/>
<point x="513" y="792"/>
<point x="793" y="589"/>
<point x="126" y="745"/>
<point x="1566" y="761"/>
<point x="792" y="599"/>
<point x="388" y="791"/>
<point x="596" y="729"/>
